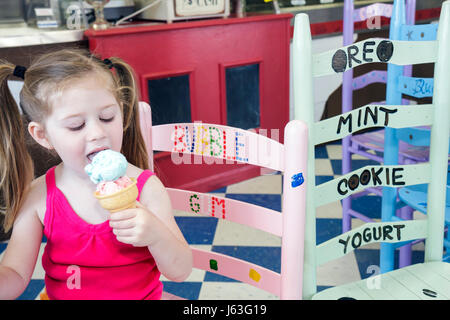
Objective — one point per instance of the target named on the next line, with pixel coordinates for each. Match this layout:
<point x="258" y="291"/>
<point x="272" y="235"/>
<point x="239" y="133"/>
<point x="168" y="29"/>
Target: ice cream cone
<point x="121" y="200"/>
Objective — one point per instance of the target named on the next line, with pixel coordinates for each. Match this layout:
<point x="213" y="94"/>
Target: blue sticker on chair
<point x="297" y="180"/>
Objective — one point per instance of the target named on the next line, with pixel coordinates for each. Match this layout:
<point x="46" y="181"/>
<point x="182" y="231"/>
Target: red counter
<point x="204" y="50"/>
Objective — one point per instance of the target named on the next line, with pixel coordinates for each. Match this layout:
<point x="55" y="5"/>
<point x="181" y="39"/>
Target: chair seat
<point x="423" y="281"/>
<point x="416" y="197"/>
<point x="374" y="140"/>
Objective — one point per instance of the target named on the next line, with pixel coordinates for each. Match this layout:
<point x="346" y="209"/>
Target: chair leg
<point x="346" y="168"/>
<point x="405" y="252"/>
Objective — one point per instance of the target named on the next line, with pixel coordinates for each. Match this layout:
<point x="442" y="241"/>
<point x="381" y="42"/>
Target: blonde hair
<point x="49" y="73"/>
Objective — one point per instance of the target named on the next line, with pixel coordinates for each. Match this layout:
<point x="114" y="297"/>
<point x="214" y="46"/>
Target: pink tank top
<point x="85" y="261"/>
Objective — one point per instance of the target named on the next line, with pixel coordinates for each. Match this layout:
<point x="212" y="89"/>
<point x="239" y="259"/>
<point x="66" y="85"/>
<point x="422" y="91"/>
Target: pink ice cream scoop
<point x="109" y="187"/>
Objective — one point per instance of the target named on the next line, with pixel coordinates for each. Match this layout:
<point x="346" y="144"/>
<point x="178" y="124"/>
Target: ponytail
<point x="133" y="145"/>
<point x="16" y="166"/>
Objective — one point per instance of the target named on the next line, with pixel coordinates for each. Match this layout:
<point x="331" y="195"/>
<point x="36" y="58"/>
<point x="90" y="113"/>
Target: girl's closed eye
<point x="107" y="119"/>
<point x="76" y="128"/>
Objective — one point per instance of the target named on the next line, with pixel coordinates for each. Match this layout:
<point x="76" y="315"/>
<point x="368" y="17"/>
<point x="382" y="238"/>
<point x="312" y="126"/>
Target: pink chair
<point x="227" y="144"/>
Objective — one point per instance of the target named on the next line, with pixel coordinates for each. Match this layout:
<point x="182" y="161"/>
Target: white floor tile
<point x="231" y="233"/>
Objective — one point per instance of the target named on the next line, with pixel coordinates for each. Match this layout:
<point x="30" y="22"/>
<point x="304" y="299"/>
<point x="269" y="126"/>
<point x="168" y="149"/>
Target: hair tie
<point x="19" y="71"/>
<point x="108" y="63"/>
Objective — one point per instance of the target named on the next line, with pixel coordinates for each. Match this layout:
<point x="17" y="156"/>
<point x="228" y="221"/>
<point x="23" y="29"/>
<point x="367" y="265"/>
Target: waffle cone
<point x="124" y="199"/>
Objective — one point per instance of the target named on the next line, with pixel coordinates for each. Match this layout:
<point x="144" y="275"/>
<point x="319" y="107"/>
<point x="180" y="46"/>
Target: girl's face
<point x="85" y="119"/>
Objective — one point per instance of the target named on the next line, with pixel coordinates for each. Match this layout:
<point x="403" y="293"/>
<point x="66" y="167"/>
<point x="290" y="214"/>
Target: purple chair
<point x="361" y="144"/>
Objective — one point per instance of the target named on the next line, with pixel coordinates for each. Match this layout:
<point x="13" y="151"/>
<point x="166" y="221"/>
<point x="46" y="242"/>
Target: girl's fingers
<point x="122" y="224"/>
<point x="123" y="232"/>
<point x="122" y="215"/>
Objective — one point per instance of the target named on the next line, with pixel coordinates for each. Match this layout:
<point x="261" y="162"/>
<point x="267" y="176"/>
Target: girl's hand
<point x="138" y="226"/>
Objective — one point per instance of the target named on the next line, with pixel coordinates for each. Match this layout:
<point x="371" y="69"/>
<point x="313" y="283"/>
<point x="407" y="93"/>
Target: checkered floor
<point x="260" y="247"/>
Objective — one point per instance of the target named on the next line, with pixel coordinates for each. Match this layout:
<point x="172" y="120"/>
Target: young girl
<point x="76" y="105"/>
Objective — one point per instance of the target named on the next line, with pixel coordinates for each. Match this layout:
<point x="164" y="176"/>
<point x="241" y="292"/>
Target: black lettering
<point x="386" y="232"/>
<point x="385" y="50"/>
<point x="386" y="116"/>
<point x="398" y="227"/>
<point x="356" y="236"/>
<point x="342" y="121"/>
<point x="373" y="115"/>
<point x="339" y="61"/>
<point x="351" y="55"/>
<point x="367" y="236"/>
<point x="353" y="182"/>
<point x="342" y="192"/>
<point x="364" y="178"/>
<point x="395" y="177"/>
<point x="345" y="243"/>
<point x="367" y="50"/>
<point x="375" y="177"/>
<point x="359" y="117"/>
<point x="387" y="176"/>
<point x="374" y="232"/>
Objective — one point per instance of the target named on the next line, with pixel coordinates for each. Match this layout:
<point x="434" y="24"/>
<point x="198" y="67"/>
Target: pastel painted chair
<point x="367" y="143"/>
<point x="427" y="280"/>
<point x="410" y="145"/>
<point x="224" y="144"/>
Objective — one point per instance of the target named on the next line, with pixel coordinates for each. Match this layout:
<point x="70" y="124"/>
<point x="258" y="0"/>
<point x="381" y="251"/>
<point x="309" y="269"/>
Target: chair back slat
<point x="373" y="50"/>
<point x="217" y="144"/>
<point x="370" y="116"/>
<point x="375" y="76"/>
<point x="415" y="87"/>
<point x="418" y="32"/>
<point x="223" y="208"/>
<point x="371" y="176"/>
<point x="237" y="269"/>
<point x="374" y="232"/>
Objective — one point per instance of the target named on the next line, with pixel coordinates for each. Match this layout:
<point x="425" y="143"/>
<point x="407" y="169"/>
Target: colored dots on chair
<point x="254" y="275"/>
<point x="213" y="264"/>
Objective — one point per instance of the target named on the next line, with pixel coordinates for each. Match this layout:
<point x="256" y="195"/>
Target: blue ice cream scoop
<point x="107" y="165"/>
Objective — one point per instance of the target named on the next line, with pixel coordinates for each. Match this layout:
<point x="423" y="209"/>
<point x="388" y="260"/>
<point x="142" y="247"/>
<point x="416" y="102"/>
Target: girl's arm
<point x="152" y="224"/>
<point x="20" y="256"/>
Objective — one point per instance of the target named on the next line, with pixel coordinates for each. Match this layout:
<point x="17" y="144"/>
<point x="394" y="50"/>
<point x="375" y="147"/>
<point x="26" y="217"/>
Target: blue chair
<point x="417" y="138"/>
<point x="416" y="197"/>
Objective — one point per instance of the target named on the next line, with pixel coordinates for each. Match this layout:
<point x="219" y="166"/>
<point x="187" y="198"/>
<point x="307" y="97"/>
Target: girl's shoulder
<point x="37" y="197"/>
<point x="153" y="189"/>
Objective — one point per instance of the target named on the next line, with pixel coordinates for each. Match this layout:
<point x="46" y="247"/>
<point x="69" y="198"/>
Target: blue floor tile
<point x="327" y="229"/>
<point x="33" y="289"/>
<point x="369" y="206"/>
<point x="271" y="201"/>
<point x="186" y="290"/>
<point x="3" y="246"/>
<point x="323" y="179"/>
<point x="267" y="257"/>
<point x="197" y="230"/>
<point x="321" y="152"/>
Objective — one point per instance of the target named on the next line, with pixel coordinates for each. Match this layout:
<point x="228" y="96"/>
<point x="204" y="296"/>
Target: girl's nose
<point x="95" y="131"/>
